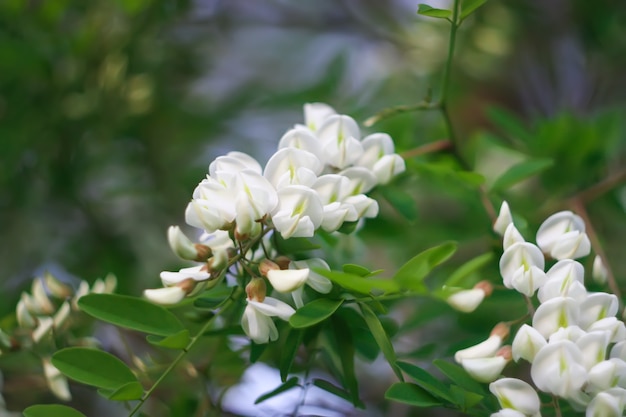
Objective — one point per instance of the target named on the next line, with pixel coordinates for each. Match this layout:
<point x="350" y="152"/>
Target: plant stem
<point x="227" y="304"/>
<point x="431" y="147"/>
<point x="445" y="84"/>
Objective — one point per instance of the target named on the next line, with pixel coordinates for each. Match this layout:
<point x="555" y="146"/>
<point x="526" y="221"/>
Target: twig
<point x="602" y="187"/>
<point x="394" y="111"/>
<point x="427" y="148"/>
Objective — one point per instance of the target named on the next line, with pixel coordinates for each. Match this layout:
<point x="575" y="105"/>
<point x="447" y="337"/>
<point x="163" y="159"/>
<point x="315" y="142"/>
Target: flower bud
<point x="287" y="280"/>
<point x="486" y="348"/>
<point x="62" y="314"/>
<point x="56" y="381"/>
<point x="511" y="236"/>
<point x="504" y="219"/>
<point x="527" y="342"/>
<point x="266" y="265"/>
<point x="467" y="301"/>
<point x="56" y="287"/>
<point x="24" y="318"/>
<point x="487" y="369"/>
<point x="217" y="262"/>
<point x="283" y="262"/>
<point x="165" y="295"/>
<point x="256" y="290"/>
<point x="41" y="301"/>
<point x="607" y="404"/>
<point x="181" y="245"/>
<point x="599" y="272"/>
<point x="606" y="374"/>
<point x="44" y="328"/>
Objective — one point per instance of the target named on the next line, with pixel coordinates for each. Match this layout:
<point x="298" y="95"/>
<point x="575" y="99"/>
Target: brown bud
<point x="283" y="262"/>
<point x="501" y="330"/>
<point x="187" y="285"/>
<point x="256" y="290"/>
<point x="266" y="266"/>
<point x="204" y="252"/>
<point x="506" y="352"/>
<point x="486" y="286"/>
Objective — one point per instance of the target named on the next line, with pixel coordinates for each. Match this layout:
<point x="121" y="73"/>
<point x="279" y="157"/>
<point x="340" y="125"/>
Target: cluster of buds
<point x="317" y="179"/>
<point x="575" y="343"/>
<point x="46" y="312"/>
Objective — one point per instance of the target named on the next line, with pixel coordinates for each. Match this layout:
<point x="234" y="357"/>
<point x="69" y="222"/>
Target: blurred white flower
<point x="557" y="369"/>
<point x="503" y="220"/>
<point x="563" y="236"/>
<point x="516" y="394"/>
<point x="299" y="212"/>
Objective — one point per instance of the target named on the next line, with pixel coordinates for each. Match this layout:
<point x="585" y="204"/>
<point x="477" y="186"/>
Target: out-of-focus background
<point x="111" y="111"/>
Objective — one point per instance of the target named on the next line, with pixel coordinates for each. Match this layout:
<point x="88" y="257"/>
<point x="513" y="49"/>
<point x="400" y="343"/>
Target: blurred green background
<point x="111" y="111"/>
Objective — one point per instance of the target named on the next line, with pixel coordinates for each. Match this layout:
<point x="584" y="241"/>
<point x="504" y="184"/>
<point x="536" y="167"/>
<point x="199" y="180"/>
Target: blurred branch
<point x="431" y="147"/>
<point x="394" y="111"/>
<point x="602" y="187"/>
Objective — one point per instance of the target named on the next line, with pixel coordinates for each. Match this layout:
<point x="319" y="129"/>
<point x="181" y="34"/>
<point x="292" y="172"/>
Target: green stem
<point x="445" y="84"/>
<point x="227" y="304"/>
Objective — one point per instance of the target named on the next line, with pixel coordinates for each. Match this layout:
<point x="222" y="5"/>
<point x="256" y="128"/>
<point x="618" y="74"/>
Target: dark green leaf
<point x="402" y="201"/>
<point x="426" y="381"/>
<point x="314" y="312"/>
<point x="458" y="277"/>
<point x="355" y="270"/>
<point x="464" y="399"/>
<point x="51" y="410"/>
<point x="286" y="386"/>
<point x="345" y="350"/>
<point x="357" y="283"/>
<point x="93" y="367"/>
<point x="520" y="172"/>
<point x="347" y="227"/>
<point x="426" y="10"/>
<point x="411" y="394"/>
<point x="256" y="350"/>
<point x="131" y="313"/>
<point x="179" y="340"/>
<point x="289" y="351"/>
<point x="468" y="7"/>
<point x="364" y="343"/>
<point x="128" y="392"/>
<point x="381" y="338"/>
<point x="332" y="388"/>
<point x="212" y="299"/>
<point x="459" y="376"/>
<point x="411" y="274"/>
<point x="293" y="245"/>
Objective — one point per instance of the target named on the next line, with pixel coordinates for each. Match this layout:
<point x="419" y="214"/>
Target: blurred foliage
<point x="111" y="110"/>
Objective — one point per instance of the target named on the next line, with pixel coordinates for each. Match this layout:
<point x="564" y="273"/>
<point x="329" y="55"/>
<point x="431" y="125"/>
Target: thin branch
<point x="396" y="110"/>
<point x="431" y="147"/>
<point x="602" y="187"/>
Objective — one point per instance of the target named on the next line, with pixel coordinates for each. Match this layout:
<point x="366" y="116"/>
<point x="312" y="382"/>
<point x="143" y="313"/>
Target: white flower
<point x="503" y="220"/>
<point x="257" y="320"/>
<point x="166" y="295"/>
<point x="232" y="163"/>
<point x="331" y="189"/>
<point x="511" y="236"/>
<point x="609" y="403"/>
<point x="299" y="212"/>
<point x="316" y="113"/>
<point x="255" y="198"/>
<point x="197" y="273"/>
<point x="287" y="280"/>
<point x="571" y="333"/>
<point x="612" y="325"/>
<point x="564" y="279"/>
<point x="599" y="272"/>
<point x="212" y="206"/>
<point x="593" y="347"/>
<point x="527" y="342"/>
<point x="379" y="157"/>
<point x="516" y="394"/>
<point x="597" y="306"/>
<point x="314" y="280"/>
<point x="508" y="412"/>
<point x="466" y="301"/>
<point x="303" y="139"/>
<point x="556" y="313"/>
<point x="606" y="374"/>
<point x="180" y="244"/>
<point x="521" y="267"/>
<point x="484" y="369"/>
<point x="340" y="140"/>
<point x="292" y="166"/>
<point x="486" y="348"/>
<point x="57" y="382"/>
<point x="619" y="350"/>
<point x="562" y="236"/>
<point x="558" y="369"/>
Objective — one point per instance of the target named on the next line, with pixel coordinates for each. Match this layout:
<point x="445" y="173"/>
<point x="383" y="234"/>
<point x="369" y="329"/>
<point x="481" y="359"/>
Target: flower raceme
<point x="317" y="179"/>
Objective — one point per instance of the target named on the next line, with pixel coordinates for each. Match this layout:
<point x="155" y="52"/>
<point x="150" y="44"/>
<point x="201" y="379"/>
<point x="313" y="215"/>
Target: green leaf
<point x="210" y="300"/>
<point x="51" y="410"/>
<point x="131" y="313"/>
<point x="381" y="338"/>
<point x="426" y="380"/>
<point x="314" y="312"/>
<point x="289" y="351"/>
<point x="93" y="367"/>
<point x="459" y="376"/>
<point x="458" y="277"/>
<point x="411" y="394"/>
<point x="468" y="7"/>
<point x="293" y="245"/>
<point x="464" y="399"/>
<point x="402" y="201"/>
<point x="332" y="388"/>
<point x="179" y="340"/>
<point x="356" y="270"/>
<point x="426" y="10"/>
<point x="520" y="172"/>
<point x="347" y="227"/>
<point x="286" y="386"/>
<point x="357" y="283"/>
<point x="127" y="392"/>
<point x="364" y="343"/>
<point x="256" y="350"/>
<point x="411" y="274"/>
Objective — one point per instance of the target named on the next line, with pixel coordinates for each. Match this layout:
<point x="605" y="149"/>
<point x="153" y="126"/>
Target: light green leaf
<point x="381" y="338"/>
<point x="411" y="394"/>
<point x="179" y="340"/>
<point x="131" y="313"/>
<point x="468" y="7"/>
<point x="459" y="376"/>
<point x="128" y="392"/>
<point x="286" y="386"/>
<point x="458" y="277"/>
<point x="51" y="410"/>
<point x="93" y="367"/>
<point x="357" y="283"/>
<point x="426" y="381"/>
<point x="411" y="274"/>
<point x="314" y="312"/>
<point x="356" y="270"/>
<point x="464" y="399"/>
<point x="289" y="351"/>
<point x="212" y="299"/>
<point x="520" y="172"/>
<point x="426" y="10"/>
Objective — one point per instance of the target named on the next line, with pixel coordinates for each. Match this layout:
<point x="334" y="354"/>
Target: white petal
<point x="554" y="314"/>
<point x="486" y="348"/>
<point x="287" y="280"/>
<point x="273" y="307"/>
<point x="600" y="273"/>
<point x="597" y="306"/>
<point x="511" y="236"/>
<point x="593" y="347"/>
<point x="517" y="255"/>
<point x="466" y="300"/>
<point x="605" y="405"/>
<point x="557" y="369"/>
<point x="258" y="326"/>
<point x="316" y="113"/>
<point x="165" y="295"/>
<point x="484" y="369"/>
<point x="571" y="245"/>
<point x="503" y="220"/>
<point x="527" y="342"/>
<point x="180" y="244"/>
<point x="555" y="226"/>
<point x="316" y="281"/>
<point x="516" y="394"/>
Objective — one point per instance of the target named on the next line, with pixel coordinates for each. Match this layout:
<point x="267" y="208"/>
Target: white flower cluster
<point x="317" y="179"/>
<point x="576" y="345"/>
